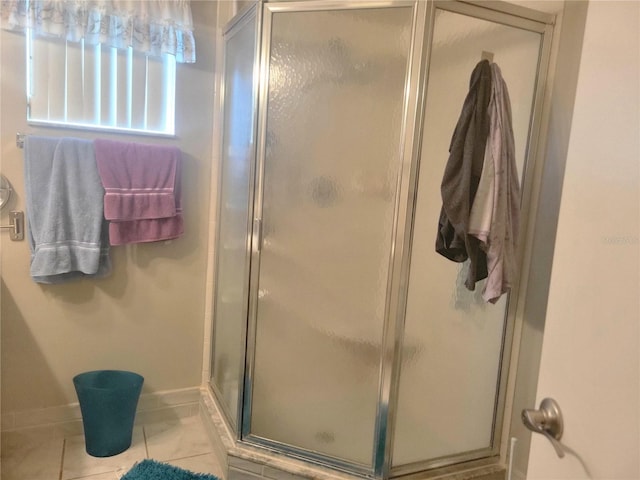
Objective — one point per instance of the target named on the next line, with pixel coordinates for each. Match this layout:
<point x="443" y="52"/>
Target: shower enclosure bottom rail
<point x="245" y="461"/>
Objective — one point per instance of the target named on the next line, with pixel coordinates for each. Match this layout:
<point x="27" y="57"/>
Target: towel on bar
<point x="67" y="232"/>
<point x="142" y="191"/>
<point x="151" y="229"/>
<point x="138" y="179"/>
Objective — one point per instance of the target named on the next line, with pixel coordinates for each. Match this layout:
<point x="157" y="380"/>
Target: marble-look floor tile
<point x="207" y="463"/>
<point x="180" y="438"/>
<point x="78" y="463"/>
<point x="33" y="457"/>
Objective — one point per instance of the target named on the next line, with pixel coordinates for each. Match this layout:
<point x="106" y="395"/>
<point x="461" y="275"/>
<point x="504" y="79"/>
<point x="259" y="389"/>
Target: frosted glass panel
<point x="453" y="340"/>
<point x="336" y="89"/>
<point x="238" y="155"/>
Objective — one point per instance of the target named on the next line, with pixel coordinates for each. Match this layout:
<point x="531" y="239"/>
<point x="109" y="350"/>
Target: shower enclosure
<point x="339" y="335"/>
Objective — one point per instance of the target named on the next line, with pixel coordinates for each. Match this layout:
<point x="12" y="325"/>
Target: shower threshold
<point x="242" y="461"/>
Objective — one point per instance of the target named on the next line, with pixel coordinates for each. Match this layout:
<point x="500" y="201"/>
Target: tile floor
<point x="180" y="442"/>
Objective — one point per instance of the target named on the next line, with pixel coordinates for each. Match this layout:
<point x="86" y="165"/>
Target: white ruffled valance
<point x="150" y="26"/>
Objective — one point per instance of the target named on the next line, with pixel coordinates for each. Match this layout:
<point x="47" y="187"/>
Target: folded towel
<point x="67" y="233"/>
<point x="153" y="229"/>
<point x="138" y="179"/>
<point x="143" y="190"/>
<point x="149" y="230"/>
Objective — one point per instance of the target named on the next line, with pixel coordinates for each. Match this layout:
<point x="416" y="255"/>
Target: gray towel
<point x="68" y="235"/>
<point x="462" y="176"/>
<point x="501" y="244"/>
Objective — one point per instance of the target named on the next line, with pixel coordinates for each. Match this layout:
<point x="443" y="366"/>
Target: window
<point x="99" y="86"/>
<point x="106" y="64"/>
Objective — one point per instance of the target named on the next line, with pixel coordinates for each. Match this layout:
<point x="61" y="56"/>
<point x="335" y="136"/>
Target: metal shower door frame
<point x="518" y="17"/>
<point x="410" y="104"/>
<point x="405" y="203"/>
<point x="252" y="14"/>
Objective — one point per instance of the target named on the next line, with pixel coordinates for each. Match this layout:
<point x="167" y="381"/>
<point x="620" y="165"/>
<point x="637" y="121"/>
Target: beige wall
<point x="148" y="316"/>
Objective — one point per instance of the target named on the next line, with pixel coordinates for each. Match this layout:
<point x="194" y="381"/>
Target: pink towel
<point x="148" y="230"/>
<point x="138" y="180"/>
<point x="142" y="191"/>
<point x="151" y="229"/>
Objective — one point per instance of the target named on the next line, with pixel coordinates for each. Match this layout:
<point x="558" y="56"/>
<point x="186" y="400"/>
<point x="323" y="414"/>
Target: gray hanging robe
<point x="462" y="175"/>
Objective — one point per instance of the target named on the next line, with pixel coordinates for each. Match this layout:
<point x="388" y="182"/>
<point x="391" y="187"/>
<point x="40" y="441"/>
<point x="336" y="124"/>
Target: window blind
<point x="99" y="86"/>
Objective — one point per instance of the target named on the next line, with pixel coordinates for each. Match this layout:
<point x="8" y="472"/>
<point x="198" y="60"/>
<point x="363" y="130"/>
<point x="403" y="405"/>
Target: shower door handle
<point x="257" y="233"/>
<point x="547" y="420"/>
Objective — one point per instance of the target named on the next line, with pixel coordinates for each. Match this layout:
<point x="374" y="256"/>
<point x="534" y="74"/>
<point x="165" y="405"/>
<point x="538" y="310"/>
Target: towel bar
<point x="16" y="224"/>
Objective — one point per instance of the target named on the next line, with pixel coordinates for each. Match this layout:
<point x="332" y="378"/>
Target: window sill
<point x="99" y="128"/>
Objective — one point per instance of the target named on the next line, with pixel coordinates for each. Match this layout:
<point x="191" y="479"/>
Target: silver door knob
<point x="547" y="420"/>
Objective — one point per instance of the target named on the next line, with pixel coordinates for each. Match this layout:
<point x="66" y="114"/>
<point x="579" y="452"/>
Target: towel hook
<point x="486" y="56"/>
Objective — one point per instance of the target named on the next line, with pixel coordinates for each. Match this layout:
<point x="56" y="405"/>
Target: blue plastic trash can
<point x="108" y="401"/>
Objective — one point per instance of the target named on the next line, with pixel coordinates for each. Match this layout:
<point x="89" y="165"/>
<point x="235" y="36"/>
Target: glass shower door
<point x="450" y="383"/>
<point x="334" y="114"/>
<point x="234" y="216"/>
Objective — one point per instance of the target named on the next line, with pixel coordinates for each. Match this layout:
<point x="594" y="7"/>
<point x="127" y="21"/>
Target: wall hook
<point x="485" y="55"/>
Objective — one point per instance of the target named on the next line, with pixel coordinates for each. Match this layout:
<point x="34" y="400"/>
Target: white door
<point x="590" y="358"/>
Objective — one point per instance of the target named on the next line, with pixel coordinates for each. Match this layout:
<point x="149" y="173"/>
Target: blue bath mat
<point x="152" y="470"/>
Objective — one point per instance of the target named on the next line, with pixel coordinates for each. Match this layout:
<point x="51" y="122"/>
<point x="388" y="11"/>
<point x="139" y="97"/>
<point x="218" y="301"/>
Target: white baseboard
<point x="67" y="419"/>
